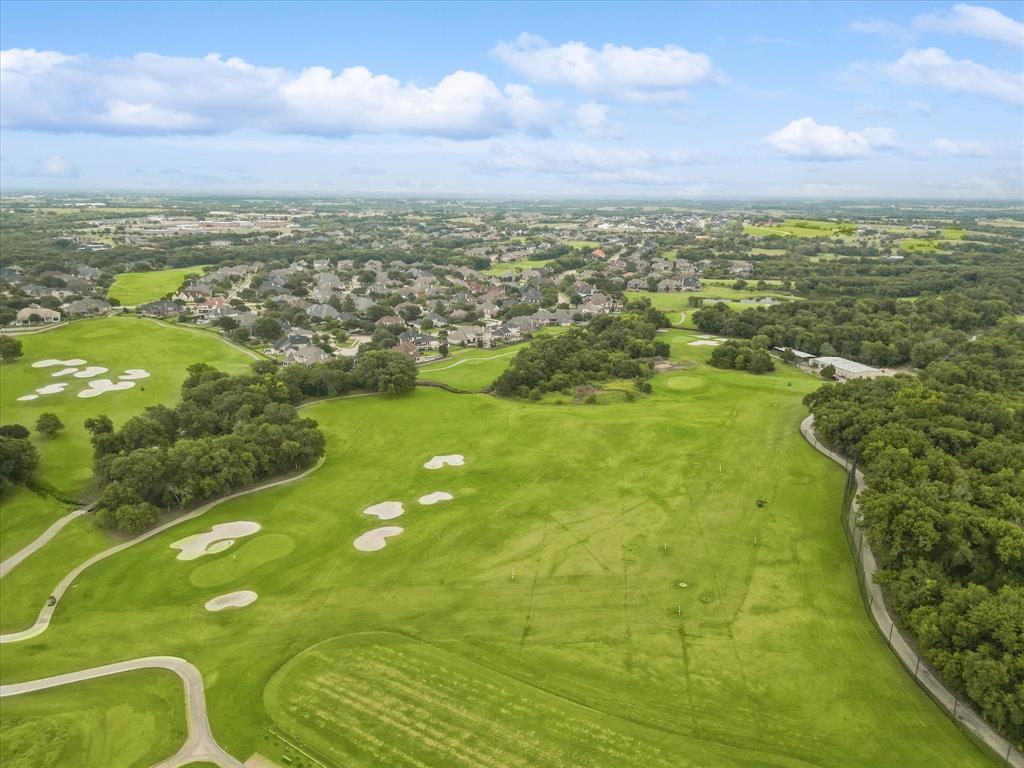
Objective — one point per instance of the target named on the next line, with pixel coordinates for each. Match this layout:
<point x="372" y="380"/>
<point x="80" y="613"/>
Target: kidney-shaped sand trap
<point x="50" y="362"/>
<point x="376" y="539"/>
<point x="88" y="373"/>
<point x="51" y="389"/>
<point x="386" y="510"/>
<point x="704" y="343"/>
<point x="217" y="539"/>
<point x="452" y="460"/>
<point x="238" y="599"/>
<point x="134" y="373"/>
<point x="436" y="496"/>
<point x="99" y="386"/>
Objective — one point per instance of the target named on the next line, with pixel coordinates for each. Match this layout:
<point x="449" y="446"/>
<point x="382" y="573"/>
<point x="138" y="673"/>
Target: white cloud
<point x="151" y="94"/>
<point x="960" y="148"/>
<point x="806" y="139"/>
<point x="888" y="29"/>
<point x="648" y="75"/>
<point x="975" y="21"/>
<point x="592" y="119"/>
<point x="935" y="68"/>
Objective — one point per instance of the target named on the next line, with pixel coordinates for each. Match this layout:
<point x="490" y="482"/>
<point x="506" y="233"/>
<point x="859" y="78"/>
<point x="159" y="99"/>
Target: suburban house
<point x="160" y="308"/>
<point x="86" y="307"/>
<point x="36" y="315"/>
<point x="306" y="355"/>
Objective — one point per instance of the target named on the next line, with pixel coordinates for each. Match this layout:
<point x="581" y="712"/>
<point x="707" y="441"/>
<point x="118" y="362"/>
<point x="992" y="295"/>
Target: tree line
<point x="943" y="456"/>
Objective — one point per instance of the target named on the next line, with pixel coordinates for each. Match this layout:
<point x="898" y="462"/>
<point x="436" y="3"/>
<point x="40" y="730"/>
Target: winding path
<point x="11" y="562"/>
<point x="899" y="644"/>
<point x="43" y="621"/>
<point x="200" y="744"/>
<point x="467" y="360"/>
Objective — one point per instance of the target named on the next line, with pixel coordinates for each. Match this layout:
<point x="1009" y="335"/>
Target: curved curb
<point x="900" y="646"/>
<point x="43" y="621"/>
<point x="14" y="560"/>
<point x="200" y="744"/>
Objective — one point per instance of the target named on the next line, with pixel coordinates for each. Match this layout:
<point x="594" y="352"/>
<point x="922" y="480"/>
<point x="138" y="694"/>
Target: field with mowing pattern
<point x="510" y="267"/>
<point x="470" y="368"/>
<point x="801" y="228"/>
<point x="603" y="590"/>
<point x="132" y="288"/>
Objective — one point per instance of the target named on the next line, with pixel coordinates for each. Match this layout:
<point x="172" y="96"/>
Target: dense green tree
<point x="49" y="425"/>
<point x="393" y="373"/>
<point x="10" y="348"/>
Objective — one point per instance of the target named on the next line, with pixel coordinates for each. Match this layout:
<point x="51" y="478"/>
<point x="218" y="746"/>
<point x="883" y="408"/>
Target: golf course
<point x="471" y="581"/>
<point x="132" y="288"/>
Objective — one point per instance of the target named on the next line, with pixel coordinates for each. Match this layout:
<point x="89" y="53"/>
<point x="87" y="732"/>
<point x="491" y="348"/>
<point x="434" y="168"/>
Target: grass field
<point x="801" y="228"/>
<point x="470" y="369"/>
<point x="116" y="343"/>
<point x="680" y="312"/>
<point x="131" y="288"/>
<point x="511" y="267"/>
<point x="542" y="606"/>
<point x="587" y="244"/>
<point x="130" y="720"/>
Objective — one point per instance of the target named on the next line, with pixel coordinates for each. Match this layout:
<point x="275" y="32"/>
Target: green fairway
<point x="115" y="343"/>
<point x="801" y="228"/>
<point x="470" y="368"/>
<point x="587" y="244"/>
<point x="544" y="604"/>
<point x="680" y="312"/>
<point x="511" y="267"/>
<point x="132" y="288"/>
<point x="133" y="719"/>
<point x="25" y="514"/>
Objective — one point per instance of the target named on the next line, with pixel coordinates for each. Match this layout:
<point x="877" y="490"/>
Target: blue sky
<point x="690" y="100"/>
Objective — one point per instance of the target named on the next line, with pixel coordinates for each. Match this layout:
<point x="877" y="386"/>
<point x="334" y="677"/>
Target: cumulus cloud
<point x="960" y="148"/>
<point x="806" y="139"/>
<point x="630" y="165"/>
<point x="975" y="21"/>
<point x="648" y="75"/>
<point x="153" y="94"/>
<point x="935" y="68"/>
<point x="592" y="119"/>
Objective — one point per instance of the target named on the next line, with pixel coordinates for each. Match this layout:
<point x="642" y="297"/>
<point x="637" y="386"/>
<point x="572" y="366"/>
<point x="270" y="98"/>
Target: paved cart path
<point x="9" y="564"/>
<point x="200" y="744"/>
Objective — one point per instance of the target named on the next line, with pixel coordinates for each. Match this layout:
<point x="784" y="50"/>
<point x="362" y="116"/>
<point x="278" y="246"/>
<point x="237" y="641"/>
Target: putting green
<point x="541" y="604"/>
<point x="133" y="719"/>
<point x="242" y="559"/>
<point x="132" y="288"/>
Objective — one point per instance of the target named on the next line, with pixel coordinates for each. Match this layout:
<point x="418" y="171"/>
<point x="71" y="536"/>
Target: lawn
<point x="801" y="228"/>
<point x="544" y="606"/>
<point x="471" y="369"/>
<point x="129" y="720"/>
<point x="510" y="267"/>
<point x="132" y="288"/>
<point x="678" y="303"/>
<point x="587" y="244"/>
<point x="115" y="343"/>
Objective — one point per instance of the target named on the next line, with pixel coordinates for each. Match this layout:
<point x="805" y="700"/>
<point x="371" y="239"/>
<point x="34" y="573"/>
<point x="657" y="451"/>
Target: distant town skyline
<point x="638" y="100"/>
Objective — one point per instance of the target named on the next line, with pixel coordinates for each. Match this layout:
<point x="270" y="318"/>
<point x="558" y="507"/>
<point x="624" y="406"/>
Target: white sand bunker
<point x="376" y="539"/>
<point x="51" y="389"/>
<point x="386" y="510"/>
<point x="99" y="386"/>
<point x="26" y="398"/>
<point x="134" y="373"/>
<point x="452" y="460"/>
<point x="238" y="599"/>
<point x="51" y="362"/>
<point x="704" y="343"/>
<point x="64" y="372"/>
<point x="217" y="539"/>
<point x="436" y="496"/>
<point x="92" y="370"/>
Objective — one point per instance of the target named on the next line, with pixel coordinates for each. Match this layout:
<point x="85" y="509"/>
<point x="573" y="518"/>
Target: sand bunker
<point x="217" y="539"/>
<point x="134" y="373"/>
<point x="26" y="398"/>
<point x="63" y="372"/>
<point x="238" y="599"/>
<point x="704" y="343"/>
<point x="92" y="370"/>
<point x="436" y="496"/>
<point x="99" y="386"/>
<point x="51" y="362"/>
<point x="386" y="510"/>
<point x="376" y="539"/>
<point x="51" y="389"/>
<point x="452" y="460"/>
